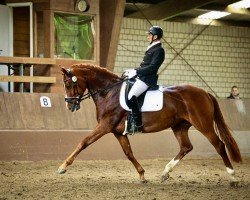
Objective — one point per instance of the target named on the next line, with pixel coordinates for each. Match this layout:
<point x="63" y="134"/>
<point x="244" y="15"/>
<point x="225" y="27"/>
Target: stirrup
<point x="133" y="129"/>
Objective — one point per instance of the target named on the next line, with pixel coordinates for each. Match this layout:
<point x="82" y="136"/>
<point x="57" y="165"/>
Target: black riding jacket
<point x="152" y="61"/>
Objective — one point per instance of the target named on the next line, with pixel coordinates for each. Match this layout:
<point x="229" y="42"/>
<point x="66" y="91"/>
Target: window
<point x="74" y="36"/>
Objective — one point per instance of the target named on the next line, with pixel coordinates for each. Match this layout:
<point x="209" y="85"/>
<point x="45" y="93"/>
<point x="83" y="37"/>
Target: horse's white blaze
<point x="169" y="167"/>
<point x="66" y="103"/>
<point x="66" y="96"/>
<point x="230" y="171"/>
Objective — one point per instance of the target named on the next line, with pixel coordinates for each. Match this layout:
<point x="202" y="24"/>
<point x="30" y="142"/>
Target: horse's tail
<point x="224" y="133"/>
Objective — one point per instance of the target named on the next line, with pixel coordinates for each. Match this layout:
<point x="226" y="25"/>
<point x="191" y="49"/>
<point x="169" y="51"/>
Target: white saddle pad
<point x="153" y="100"/>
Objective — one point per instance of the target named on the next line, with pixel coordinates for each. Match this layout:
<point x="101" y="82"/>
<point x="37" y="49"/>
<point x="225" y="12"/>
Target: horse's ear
<point x="64" y="71"/>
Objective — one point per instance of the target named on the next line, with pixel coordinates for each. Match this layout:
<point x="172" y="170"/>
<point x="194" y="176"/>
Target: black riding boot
<point x="134" y="123"/>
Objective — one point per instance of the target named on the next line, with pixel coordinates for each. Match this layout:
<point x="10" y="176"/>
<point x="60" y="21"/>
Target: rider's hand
<point x="130" y="73"/>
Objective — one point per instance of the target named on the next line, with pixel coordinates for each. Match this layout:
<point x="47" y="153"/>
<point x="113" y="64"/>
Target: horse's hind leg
<point x="181" y="134"/>
<point x="125" y="144"/>
<point x="220" y="148"/>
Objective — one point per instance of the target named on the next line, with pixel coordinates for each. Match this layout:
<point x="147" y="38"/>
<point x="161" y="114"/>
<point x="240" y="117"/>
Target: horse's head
<point x="75" y="87"/>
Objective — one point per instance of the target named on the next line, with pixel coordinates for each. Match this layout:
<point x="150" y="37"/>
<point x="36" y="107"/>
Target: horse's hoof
<point x="144" y="181"/>
<point x="164" y="178"/>
<point x="61" y="171"/>
<point x="234" y="183"/>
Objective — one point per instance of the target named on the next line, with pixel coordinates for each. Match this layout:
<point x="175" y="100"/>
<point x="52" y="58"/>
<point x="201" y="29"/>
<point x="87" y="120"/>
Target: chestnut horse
<point x="183" y="106"/>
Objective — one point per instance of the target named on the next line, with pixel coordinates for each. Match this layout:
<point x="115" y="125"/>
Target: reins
<point x="108" y="88"/>
<point x="80" y="98"/>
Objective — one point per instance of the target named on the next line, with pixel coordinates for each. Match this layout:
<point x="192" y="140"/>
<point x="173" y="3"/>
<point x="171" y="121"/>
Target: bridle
<point x="77" y="98"/>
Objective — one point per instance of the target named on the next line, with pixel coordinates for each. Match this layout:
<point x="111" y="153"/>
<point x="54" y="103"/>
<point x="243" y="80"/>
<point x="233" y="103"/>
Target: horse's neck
<point x="101" y="81"/>
<point x="98" y="80"/>
<point x="104" y="88"/>
<point x="107" y="101"/>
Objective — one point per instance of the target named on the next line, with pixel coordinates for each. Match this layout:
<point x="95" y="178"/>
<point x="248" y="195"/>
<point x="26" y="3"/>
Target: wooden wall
<point x="47" y="8"/>
<point x="57" y="145"/>
<point x="24" y="112"/>
<point x="21" y="31"/>
<point x="108" y="15"/>
<point x="30" y="132"/>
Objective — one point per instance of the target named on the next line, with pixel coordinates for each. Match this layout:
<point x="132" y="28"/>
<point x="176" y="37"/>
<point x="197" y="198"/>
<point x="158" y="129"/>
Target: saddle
<point x="149" y="101"/>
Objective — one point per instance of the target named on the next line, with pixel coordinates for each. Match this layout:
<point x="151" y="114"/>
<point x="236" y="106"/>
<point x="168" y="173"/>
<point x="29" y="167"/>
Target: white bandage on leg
<point x="230" y="171"/>
<point x="169" y="167"/>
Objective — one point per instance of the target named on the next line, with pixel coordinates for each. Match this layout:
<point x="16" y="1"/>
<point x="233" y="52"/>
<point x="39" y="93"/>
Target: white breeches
<point x="137" y="89"/>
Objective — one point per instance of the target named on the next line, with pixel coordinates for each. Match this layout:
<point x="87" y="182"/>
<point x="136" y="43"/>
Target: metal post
<point x="31" y="74"/>
<point x="21" y="74"/>
<point x="8" y="75"/>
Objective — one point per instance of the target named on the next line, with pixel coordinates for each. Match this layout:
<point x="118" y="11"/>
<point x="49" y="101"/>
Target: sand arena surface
<point x="192" y="179"/>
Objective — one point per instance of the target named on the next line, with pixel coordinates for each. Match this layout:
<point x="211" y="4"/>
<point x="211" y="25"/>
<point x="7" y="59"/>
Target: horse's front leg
<point x="124" y="142"/>
<point x="98" y="132"/>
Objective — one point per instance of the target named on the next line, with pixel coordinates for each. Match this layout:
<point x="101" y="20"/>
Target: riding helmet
<point x="156" y="30"/>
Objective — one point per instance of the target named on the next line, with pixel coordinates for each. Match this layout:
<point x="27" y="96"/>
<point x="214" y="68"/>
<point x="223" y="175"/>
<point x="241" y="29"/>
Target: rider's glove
<point x="130" y="73"/>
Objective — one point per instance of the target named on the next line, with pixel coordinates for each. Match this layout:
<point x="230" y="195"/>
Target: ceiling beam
<point x="195" y="20"/>
<point x="226" y="9"/>
<point x="168" y="9"/>
<point x="143" y="1"/>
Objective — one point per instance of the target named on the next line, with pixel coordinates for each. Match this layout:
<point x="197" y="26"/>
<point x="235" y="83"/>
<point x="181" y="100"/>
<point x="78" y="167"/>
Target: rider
<point x="146" y="76"/>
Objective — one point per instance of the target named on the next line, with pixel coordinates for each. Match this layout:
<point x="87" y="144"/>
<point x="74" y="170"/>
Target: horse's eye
<point x="68" y="86"/>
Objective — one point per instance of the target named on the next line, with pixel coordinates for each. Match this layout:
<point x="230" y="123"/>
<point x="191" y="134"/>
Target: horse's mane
<point x="96" y="68"/>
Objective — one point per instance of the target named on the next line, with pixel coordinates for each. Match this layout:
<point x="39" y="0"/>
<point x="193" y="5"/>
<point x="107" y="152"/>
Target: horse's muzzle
<point x="75" y="107"/>
<point x="74" y="103"/>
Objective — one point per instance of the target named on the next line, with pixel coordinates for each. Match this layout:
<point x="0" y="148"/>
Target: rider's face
<point x="150" y="37"/>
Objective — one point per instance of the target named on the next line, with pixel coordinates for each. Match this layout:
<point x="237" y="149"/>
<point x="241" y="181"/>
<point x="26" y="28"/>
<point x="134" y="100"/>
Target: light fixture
<point x="241" y="4"/>
<point x="213" y="15"/>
